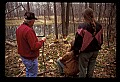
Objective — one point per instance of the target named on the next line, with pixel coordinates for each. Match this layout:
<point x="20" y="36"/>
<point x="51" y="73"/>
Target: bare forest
<point x="58" y="22"/>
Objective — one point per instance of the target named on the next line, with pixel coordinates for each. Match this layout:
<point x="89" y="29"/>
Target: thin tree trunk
<point x="28" y="7"/>
<point x="111" y="22"/>
<point x="104" y="13"/>
<point x="44" y="23"/>
<point x="73" y="19"/>
<point x="109" y="26"/>
<point x="49" y="29"/>
<point x="43" y="44"/>
<point x="63" y="19"/>
<point x="16" y="4"/>
<point x="67" y="17"/>
<point x="48" y="10"/>
<point x="55" y="18"/>
<point x="99" y="16"/>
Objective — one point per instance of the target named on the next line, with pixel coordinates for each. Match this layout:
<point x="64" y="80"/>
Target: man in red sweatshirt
<point x="28" y="44"/>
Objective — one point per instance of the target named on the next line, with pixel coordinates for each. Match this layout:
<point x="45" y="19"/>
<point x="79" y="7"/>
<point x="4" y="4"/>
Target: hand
<point x="60" y="58"/>
<point x="44" y="39"/>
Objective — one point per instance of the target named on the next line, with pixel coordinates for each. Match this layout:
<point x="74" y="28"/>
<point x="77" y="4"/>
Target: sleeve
<point x="33" y="41"/>
<point x="77" y="43"/>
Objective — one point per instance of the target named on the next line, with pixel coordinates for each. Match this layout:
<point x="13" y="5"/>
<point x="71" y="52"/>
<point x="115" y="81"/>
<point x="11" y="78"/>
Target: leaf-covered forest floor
<point x="105" y="64"/>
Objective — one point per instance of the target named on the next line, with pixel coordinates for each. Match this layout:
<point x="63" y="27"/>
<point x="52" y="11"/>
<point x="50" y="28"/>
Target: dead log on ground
<point x="20" y="72"/>
<point x="12" y="44"/>
<point x="47" y="71"/>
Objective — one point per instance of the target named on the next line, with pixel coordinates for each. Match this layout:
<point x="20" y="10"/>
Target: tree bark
<point x="67" y="17"/>
<point x="63" y="18"/>
<point x="12" y="44"/>
<point x="28" y="7"/>
<point x="48" y="10"/>
<point x="73" y="18"/>
<point x="55" y="18"/>
<point x="99" y="16"/>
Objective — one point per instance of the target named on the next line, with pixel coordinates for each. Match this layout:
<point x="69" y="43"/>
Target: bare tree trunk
<point x="63" y="19"/>
<point x="108" y="34"/>
<point x="11" y="9"/>
<point x="67" y="17"/>
<point x="16" y="4"/>
<point x="49" y="29"/>
<point x="55" y="17"/>
<point x="48" y="10"/>
<point x="99" y="16"/>
<point x="104" y="16"/>
<point x="73" y="18"/>
<point x="28" y="7"/>
<point x="43" y="44"/>
<point x="109" y="25"/>
<point x="8" y="9"/>
<point x="80" y="9"/>
<point x="13" y="12"/>
<point x="39" y="10"/>
<point x="44" y="23"/>
<point x="112" y="16"/>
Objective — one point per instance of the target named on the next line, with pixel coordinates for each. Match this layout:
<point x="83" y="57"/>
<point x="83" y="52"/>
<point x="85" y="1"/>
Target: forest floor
<point x="105" y="64"/>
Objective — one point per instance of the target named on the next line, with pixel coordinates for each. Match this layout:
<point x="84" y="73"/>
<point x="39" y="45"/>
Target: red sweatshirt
<point x="28" y="44"/>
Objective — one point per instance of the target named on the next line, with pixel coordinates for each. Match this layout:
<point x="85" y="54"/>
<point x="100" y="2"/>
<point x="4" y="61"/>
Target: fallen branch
<point x="41" y="73"/>
<point x="21" y="72"/>
<point x="12" y="44"/>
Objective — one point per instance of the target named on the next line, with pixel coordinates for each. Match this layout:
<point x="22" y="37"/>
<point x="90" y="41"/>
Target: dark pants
<point x="87" y="63"/>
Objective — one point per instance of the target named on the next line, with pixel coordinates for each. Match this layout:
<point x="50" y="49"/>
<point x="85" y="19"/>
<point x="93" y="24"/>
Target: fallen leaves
<point x="105" y="64"/>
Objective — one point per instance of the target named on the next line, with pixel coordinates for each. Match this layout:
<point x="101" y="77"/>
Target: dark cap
<point x="29" y="16"/>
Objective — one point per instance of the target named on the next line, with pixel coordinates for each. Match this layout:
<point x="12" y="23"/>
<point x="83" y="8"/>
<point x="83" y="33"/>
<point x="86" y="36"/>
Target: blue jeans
<point x="60" y="66"/>
<point x="31" y="67"/>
